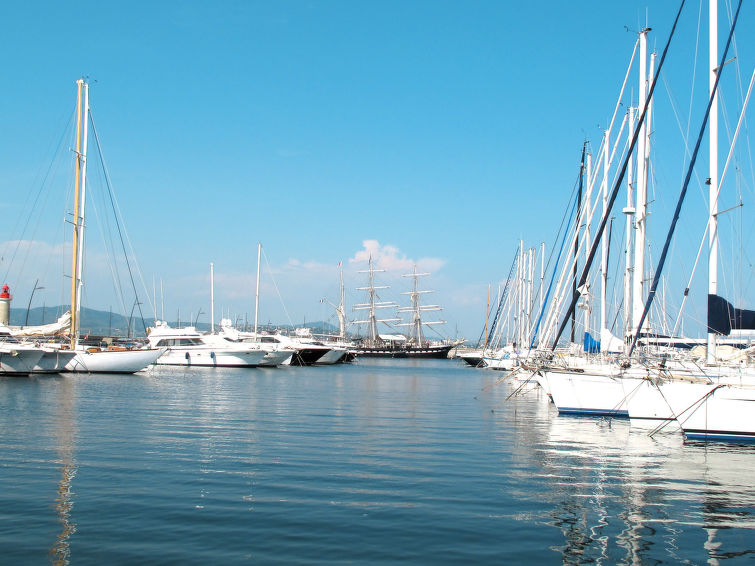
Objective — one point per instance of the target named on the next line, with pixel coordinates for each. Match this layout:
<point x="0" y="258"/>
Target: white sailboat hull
<point x="112" y="361"/>
<point x="589" y="392"/>
<point x="722" y="412"/>
<point x="19" y="361"/>
<point x="53" y="361"/>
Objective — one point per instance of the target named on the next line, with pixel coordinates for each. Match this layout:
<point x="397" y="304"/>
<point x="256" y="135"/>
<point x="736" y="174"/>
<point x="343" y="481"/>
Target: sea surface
<point x="377" y="462"/>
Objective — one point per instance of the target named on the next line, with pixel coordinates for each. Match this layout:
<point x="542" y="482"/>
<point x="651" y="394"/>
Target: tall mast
<point x="641" y="196"/>
<point x="713" y="181"/>
<point x="78" y="208"/>
<point x="341" y="309"/>
<point x="576" y="239"/>
<point x="586" y="291"/>
<point x="212" y="298"/>
<point x="604" y="241"/>
<point x="257" y="293"/>
<point x="629" y="212"/>
<point x="372" y="305"/>
<point x="417" y="308"/>
<point x="487" y="318"/>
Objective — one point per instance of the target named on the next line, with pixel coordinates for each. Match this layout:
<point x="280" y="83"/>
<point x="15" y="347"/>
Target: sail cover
<point x="61" y="326"/>
<point x="723" y="317"/>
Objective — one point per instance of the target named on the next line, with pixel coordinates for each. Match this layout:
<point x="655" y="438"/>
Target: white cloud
<point x="390" y="258"/>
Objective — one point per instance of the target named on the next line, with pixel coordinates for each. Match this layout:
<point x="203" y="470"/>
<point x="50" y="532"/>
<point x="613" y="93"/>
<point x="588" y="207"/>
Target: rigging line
<point x="685" y="136"/>
<point x="118" y="216"/>
<point x="105" y="230"/>
<point x="718" y="192"/>
<point x="568" y="215"/>
<point x="54" y="162"/>
<point x="695" y="63"/>
<point x="501" y="300"/>
<point x="270" y="271"/>
<point x="662" y="260"/>
<point x="550" y="283"/>
<point x="117" y="223"/>
<point x="615" y="192"/>
<point x="697" y="404"/>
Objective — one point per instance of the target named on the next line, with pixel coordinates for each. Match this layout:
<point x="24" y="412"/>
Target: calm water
<point x="382" y="461"/>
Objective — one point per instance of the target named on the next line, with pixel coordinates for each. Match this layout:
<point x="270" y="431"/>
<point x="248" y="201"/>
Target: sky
<point x="429" y="133"/>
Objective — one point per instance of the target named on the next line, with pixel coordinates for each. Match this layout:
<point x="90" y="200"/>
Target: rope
<point x="615" y="192"/>
<point x="662" y="260"/>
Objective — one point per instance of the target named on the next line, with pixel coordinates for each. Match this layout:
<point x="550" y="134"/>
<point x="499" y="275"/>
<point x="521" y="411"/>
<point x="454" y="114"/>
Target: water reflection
<point x="66" y="443"/>
<point x="619" y="496"/>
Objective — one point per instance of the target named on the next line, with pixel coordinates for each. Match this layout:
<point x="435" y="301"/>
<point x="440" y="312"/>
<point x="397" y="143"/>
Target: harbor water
<point x="377" y="462"/>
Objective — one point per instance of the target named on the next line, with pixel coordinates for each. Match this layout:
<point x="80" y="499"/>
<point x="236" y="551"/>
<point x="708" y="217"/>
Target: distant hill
<point x="104" y="323"/>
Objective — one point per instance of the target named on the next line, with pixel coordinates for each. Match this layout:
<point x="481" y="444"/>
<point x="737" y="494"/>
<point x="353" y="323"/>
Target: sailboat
<point x="92" y="360"/>
<point x="397" y="345"/>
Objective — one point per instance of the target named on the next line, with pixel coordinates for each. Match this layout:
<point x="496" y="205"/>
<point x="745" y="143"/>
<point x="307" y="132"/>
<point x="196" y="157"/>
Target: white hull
<point x="501" y="364"/>
<point x="721" y="412"/>
<point x="112" y="361"/>
<point x="332" y="356"/>
<point x="275" y="358"/>
<point x="54" y="361"/>
<point x="589" y="392"/>
<point x="211" y="357"/>
<point x="19" y="361"/>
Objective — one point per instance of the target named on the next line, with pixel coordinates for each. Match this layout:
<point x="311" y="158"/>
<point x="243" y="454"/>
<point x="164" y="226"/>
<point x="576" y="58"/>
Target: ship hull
<point x="403" y="352"/>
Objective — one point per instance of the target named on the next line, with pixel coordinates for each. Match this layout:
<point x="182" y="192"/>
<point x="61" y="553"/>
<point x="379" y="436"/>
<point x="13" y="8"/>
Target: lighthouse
<point x="5" y="305"/>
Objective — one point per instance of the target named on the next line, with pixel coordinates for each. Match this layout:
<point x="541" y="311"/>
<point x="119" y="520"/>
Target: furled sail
<point x="723" y="317"/>
<point x="61" y="326"/>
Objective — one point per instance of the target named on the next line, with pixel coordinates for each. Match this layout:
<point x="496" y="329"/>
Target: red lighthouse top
<point x="6" y="292"/>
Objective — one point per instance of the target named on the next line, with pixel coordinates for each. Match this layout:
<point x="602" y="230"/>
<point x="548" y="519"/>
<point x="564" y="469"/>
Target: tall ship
<point x="412" y="345"/>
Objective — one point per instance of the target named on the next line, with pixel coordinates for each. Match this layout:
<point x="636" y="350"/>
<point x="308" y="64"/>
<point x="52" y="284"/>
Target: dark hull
<point x="307" y="356"/>
<point x="474" y="361"/>
<point x="404" y="352"/>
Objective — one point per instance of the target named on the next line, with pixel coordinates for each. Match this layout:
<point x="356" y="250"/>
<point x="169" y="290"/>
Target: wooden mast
<point x="76" y="222"/>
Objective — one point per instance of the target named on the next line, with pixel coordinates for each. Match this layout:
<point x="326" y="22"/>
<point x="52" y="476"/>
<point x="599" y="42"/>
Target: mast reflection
<point x="66" y="433"/>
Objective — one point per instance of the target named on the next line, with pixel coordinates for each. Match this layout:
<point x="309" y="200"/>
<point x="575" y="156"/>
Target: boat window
<point x="166" y="342"/>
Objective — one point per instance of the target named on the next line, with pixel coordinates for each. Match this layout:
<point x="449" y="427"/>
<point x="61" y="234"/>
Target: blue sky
<point x="430" y="132"/>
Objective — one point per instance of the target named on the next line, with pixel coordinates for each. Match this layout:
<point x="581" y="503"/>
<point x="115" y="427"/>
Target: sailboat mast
<point x="373" y="316"/>
<point x="257" y="292"/>
<point x="588" y="242"/>
<point x="487" y="317"/>
<point x="417" y="309"/>
<point x="641" y="196"/>
<point x="629" y="212"/>
<point x="576" y="239"/>
<point x="77" y="218"/>
<point x="713" y="173"/>
<point x="342" y="307"/>
<point x="212" y="297"/>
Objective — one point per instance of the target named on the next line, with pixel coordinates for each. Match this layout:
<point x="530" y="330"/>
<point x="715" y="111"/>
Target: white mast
<point x="713" y="181"/>
<point x="79" y="209"/>
<point x="162" y="301"/>
<point x="588" y="244"/>
<point x="212" y="298"/>
<point x="604" y="240"/>
<point x="641" y="196"/>
<point x="372" y="305"/>
<point x="416" y="309"/>
<point x="257" y="293"/>
<point x="629" y="212"/>
<point x="341" y="309"/>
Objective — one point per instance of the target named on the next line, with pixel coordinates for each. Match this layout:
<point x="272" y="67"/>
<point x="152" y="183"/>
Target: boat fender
<point x="212" y="355"/>
<point x="188" y="357"/>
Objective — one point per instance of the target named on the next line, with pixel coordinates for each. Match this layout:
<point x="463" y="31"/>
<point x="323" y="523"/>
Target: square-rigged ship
<point x="398" y="345"/>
